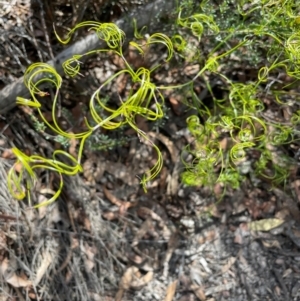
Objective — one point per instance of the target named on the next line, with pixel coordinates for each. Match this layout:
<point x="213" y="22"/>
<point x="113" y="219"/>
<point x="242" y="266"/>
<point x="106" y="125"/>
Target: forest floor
<point x="105" y="238"/>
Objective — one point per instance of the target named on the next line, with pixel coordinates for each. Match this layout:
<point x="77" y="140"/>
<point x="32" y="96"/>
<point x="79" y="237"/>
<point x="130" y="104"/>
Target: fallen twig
<point x="145" y="16"/>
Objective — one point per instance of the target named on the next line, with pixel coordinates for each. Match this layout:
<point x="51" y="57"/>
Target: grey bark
<point x="147" y="15"/>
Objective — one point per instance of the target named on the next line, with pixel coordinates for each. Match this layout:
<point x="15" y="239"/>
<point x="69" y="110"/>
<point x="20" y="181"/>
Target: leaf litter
<point x="104" y="239"/>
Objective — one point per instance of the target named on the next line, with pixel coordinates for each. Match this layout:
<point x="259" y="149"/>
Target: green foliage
<point x="144" y="99"/>
<point x="64" y="141"/>
<point x="262" y="34"/>
<point x="99" y="142"/>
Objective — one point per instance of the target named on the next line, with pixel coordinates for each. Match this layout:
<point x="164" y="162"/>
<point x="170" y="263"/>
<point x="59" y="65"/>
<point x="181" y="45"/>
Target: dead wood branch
<point x="145" y="16"/>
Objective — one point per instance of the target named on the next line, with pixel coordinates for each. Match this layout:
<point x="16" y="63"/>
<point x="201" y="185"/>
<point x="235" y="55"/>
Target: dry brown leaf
<point x="283" y="214"/>
<point x="197" y="275"/>
<point x="190" y="70"/>
<point x="163" y="179"/>
<point x="198" y="291"/>
<point x="4" y="297"/>
<point x="228" y="265"/>
<point x="47" y="259"/>
<point x="12" y="278"/>
<point x="241" y="232"/>
<point x="42" y="197"/>
<point x="83" y="219"/>
<point x="145" y="212"/>
<point x="118" y="61"/>
<point x="218" y="189"/>
<point x="90" y="254"/>
<point x="132" y="278"/>
<point x="8" y="154"/>
<point x="144" y="228"/>
<point x="271" y="244"/>
<point x="127" y="278"/>
<point x="206" y="237"/>
<point x="2" y="141"/>
<point x="18" y="167"/>
<point x="265" y="224"/>
<point x="172" y="245"/>
<point x="289" y="202"/>
<point x="32" y="295"/>
<point x="171" y="291"/>
<point x="98" y="297"/>
<point x="87" y="224"/>
<point x="142" y="281"/>
<point x="27" y="110"/>
<point x="55" y="215"/>
<point x="93" y="169"/>
<point x="168" y="143"/>
<point x="116" y="201"/>
<point x="173" y="181"/>
<point x="110" y="215"/>
<point x="176" y="106"/>
<point x="287" y="273"/>
<point x="119" y="294"/>
<point x="135" y="258"/>
<point x="238" y="238"/>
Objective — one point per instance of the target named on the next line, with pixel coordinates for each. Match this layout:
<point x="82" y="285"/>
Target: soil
<point x="105" y="238"/>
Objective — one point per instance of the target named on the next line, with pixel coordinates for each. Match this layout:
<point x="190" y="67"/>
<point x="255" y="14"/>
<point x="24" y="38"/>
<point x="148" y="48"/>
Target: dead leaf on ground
<point x="145" y="212"/>
<point x="18" y="166"/>
<point x="176" y="106"/>
<point x="132" y="278"/>
<point x="283" y="214"/>
<point x="142" y="281"/>
<point x="5" y="297"/>
<point x="119" y="294"/>
<point x="90" y="252"/>
<point x="271" y="244"/>
<point x="254" y="207"/>
<point x="228" y="265"/>
<point x="198" y="291"/>
<point x="47" y="259"/>
<point x="289" y="202"/>
<point x="241" y="232"/>
<point x="8" y="154"/>
<point x="110" y="215"/>
<point x="168" y="143"/>
<point x="128" y="277"/>
<point x="197" y="275"/>
<point x="144" y="228"/>
<point x="265" y="224"/>
<point x="12" y="278"/>
<point x="123" y="206"/>
<point x="93" y="169"/>
<point x="171" y="291"/>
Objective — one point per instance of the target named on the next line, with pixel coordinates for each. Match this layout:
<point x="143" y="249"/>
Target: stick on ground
<point x="145" y="16"/>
